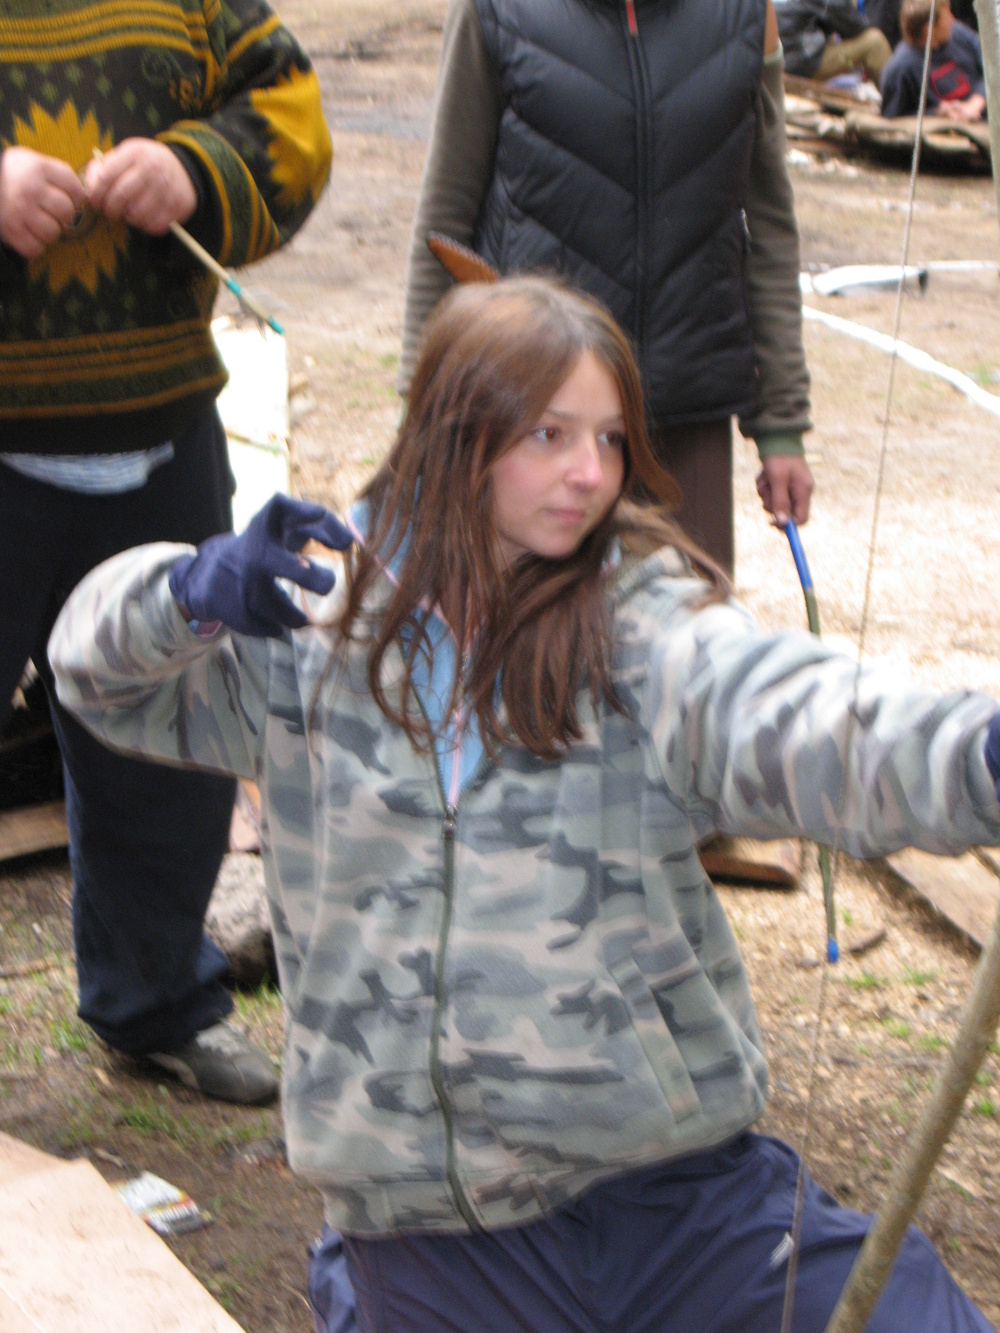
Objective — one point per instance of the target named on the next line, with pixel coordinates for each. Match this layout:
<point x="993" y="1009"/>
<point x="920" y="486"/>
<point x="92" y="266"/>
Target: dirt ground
<point x="887" y="1015"/>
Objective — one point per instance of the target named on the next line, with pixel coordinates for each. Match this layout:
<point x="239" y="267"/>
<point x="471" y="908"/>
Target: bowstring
<point x="791" y="1272"/>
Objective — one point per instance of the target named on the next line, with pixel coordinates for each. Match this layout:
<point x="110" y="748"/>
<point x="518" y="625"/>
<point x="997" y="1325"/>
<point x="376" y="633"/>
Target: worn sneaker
<point x="221" y="1062"/>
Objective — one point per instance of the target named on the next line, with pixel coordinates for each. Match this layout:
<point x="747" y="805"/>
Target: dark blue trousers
<point x="146" y="841"/>
<point x="693" y="1246"/>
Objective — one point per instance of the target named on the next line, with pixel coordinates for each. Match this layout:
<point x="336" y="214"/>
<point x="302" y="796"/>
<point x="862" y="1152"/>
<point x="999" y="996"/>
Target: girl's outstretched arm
<point x="128" y="665"/>
<point x="752" y="731"/>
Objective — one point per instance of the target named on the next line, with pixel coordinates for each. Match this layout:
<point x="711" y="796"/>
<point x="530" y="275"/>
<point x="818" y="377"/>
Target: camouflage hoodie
<point x="494" y="1002"/>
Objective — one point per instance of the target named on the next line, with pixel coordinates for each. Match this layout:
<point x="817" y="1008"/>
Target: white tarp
<point x="254" y="411"/>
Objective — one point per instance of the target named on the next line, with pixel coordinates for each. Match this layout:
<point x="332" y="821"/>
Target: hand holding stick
<point x="161" y="225"/>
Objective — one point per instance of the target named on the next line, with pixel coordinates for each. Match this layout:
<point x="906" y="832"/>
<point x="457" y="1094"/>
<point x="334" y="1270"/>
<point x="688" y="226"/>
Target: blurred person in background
<point x="825" y="38"/>
<point x="116" y="122"/>
<point x="956" y="86"/>
<point x="637" y="149"/>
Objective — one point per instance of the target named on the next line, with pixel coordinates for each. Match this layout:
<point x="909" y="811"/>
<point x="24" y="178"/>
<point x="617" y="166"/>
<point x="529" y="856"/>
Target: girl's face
<point x="557" y="483"/>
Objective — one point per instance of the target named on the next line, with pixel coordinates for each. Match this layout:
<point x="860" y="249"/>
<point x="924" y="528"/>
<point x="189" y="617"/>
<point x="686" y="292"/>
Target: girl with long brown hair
<point x="522" y="1060"/>
<point x="538" y="624"/>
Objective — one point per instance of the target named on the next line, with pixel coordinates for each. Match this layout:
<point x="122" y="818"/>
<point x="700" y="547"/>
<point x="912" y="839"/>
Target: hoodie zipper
<point x="437" y="1078"/>
<point x="448" y="827"/>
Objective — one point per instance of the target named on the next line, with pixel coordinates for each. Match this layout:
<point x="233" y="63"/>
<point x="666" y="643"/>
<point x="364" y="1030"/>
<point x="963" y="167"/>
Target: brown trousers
<point x="699" y="456"/>
<point x="870" y="51"/>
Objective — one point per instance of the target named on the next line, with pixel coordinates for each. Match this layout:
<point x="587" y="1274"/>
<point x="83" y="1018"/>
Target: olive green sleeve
<point x="781" y="413"/>
<point x="457" y="169"/>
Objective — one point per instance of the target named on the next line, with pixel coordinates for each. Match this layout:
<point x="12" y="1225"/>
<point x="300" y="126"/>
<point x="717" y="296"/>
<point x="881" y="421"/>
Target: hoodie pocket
<point x="656" y="1040"/>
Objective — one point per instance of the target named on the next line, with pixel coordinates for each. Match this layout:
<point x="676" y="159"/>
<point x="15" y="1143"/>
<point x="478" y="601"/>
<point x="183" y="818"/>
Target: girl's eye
<point x="616" y="439"/>
<point x="547" y="433"/>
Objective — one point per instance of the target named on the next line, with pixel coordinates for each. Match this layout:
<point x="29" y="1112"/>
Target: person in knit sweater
<point x="116" y="122"/>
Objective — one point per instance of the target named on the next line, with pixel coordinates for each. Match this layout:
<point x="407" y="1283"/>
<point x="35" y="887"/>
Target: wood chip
<point x="31" y="968"/>
<point x="961" y="1182"/>
<point x="866" y="943"/>
<point x="111" y="1158"/>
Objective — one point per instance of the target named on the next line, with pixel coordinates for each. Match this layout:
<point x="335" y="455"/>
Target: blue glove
<point x="232" y="578"/>
<point x="993" y="751"/>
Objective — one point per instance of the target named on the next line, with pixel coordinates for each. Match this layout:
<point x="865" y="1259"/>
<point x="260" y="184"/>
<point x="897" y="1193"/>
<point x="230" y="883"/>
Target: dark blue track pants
<point x="694" y="1246"/>
<point x="146" y="841"/>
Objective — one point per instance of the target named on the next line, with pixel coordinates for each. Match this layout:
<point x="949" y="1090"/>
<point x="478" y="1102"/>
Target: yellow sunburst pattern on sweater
<point x="92" y="246"/>
<point x="299" y="145"/>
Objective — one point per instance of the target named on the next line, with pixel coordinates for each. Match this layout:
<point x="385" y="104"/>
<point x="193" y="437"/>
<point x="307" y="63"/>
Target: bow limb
<point x="909" y="1180"/>
<point x="812" y="616"/>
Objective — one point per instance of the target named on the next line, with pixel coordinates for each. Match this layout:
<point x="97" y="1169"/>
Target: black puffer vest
<point x="622" y="163"/>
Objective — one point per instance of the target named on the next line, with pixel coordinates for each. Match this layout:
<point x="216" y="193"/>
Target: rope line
<point x="791" y="1275"/>
<point x="912" y="356"/>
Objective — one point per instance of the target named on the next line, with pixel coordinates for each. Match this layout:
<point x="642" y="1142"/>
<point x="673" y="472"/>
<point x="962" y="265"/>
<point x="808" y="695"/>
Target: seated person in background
<point x="824" y="38"/>
<point x="955" y="87"/>
<point x="884" y="14"/>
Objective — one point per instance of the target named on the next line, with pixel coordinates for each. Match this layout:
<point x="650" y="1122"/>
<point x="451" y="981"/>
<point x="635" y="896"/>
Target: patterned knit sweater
<point x="104" y="340"/>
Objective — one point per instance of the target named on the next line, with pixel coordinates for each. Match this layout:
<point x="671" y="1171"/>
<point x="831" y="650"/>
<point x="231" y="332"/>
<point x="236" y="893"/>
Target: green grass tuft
<point x="866" y="981"/>
<point x="69" y="1034"/>
<point x="896" y="1027"/>
<point x="930" y="1041"/>
<point x="916" y="977"/>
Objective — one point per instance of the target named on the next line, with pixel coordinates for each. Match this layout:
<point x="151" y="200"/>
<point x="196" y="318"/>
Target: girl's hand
<point x="39" y="198"/>
<point x="143" y="182"/>
<point x="231" y="580"/>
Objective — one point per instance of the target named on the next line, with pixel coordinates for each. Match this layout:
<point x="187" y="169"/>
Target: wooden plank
<point x="943" y="136"/>
<point x="772" y="865"/>
<point x="939" y="133"/>
<point x="14" y="1320"/>
<point x="32" y="828"/>
<point x="75" y="1257"/>
<point x="960" y="889"/>
<point x="19" y="1159"/>
<point x="831" y="99"/>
